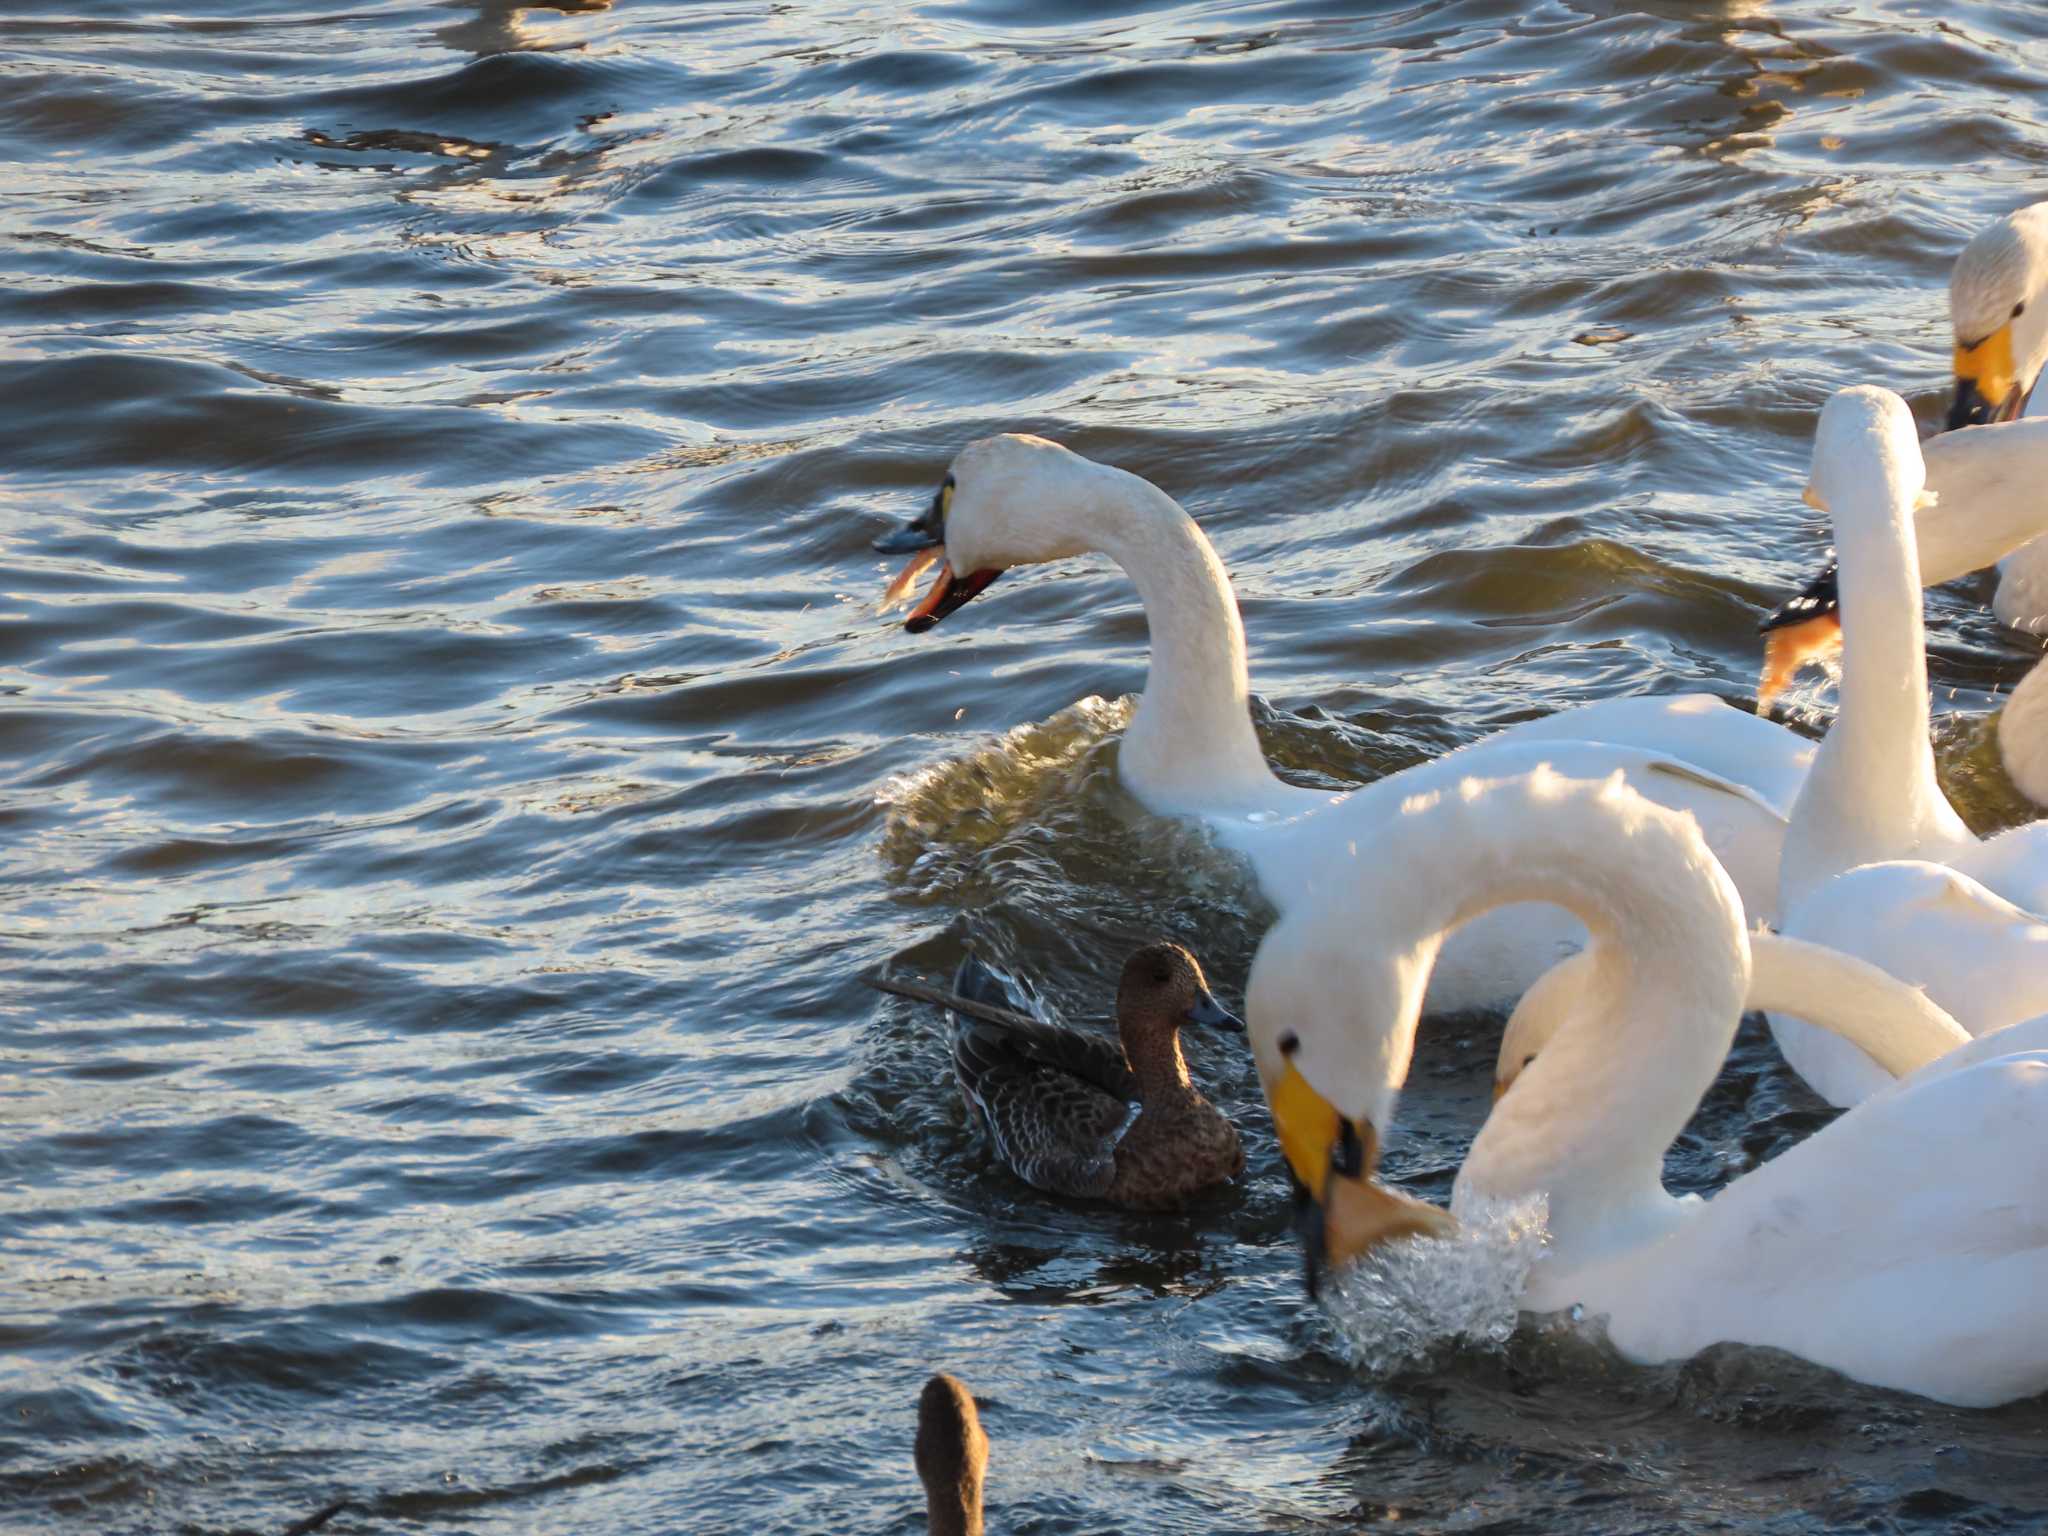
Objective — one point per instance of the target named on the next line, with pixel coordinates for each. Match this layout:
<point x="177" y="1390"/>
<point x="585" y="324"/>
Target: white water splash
<point x="1409" y="1300"/>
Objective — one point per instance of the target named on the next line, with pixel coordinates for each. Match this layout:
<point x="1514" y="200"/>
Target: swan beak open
<point x="1808" y="628"/>
<point x="1987" y="389"/>
<point x="1341" y="1211"/>
<point x="923" y="538"/>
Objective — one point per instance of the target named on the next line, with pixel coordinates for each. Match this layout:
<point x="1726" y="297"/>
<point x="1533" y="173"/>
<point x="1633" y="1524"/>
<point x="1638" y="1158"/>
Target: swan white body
<point x="1905" y="1245"/>
<point x="1938" y="930"/>
<point x="1190" y="749"/>
<point x="2023" y="735"/>
<point x="1991" y="488"/>
<point x="1998" y="309"/>
<point x="1871" y="796"/>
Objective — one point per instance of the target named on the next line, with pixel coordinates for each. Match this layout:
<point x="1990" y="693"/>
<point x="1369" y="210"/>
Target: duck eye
<point x="2019" y="309"/>
<point x="1527" y="1062"/>
<point x="1289" y="1043"/>
<point x="1162" y="976"/>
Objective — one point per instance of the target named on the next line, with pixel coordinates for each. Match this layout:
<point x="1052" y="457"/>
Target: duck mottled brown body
<point x="1083" y="1116"/>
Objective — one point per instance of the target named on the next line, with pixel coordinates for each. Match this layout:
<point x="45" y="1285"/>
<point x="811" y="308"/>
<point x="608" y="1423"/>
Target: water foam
<point x="1409" y="1301"/>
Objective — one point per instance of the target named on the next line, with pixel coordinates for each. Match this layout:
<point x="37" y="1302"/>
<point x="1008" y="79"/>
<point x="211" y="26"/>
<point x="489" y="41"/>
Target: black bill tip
<point x="1816" y="600"/>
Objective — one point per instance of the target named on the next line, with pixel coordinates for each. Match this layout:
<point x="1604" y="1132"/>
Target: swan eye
<point x="1289" y="1043"/>
<point x="1528" y="1062"/>
<point x="2019" y="309"/>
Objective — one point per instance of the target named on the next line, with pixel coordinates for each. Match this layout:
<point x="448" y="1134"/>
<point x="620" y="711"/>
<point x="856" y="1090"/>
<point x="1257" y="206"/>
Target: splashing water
<point x="1039" y="810"/>
<point x="1408" y="1301"/>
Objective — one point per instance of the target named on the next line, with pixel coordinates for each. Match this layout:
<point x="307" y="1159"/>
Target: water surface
<point x="453" y="776"/>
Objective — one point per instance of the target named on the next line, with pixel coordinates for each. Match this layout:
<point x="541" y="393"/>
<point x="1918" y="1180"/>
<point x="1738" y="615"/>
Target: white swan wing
<point x="2013" y="864"/>
<point x="1975" y="954"/>
<point x="1906" y="1245"/>
<point x="1696" y="728"/>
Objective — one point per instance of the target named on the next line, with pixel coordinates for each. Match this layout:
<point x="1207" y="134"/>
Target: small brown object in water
<point x="952" y="1456"/>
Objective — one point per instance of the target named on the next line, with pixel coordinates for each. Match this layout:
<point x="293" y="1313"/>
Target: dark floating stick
<point x="313" y="1522"/>
<point x="987" y="1012"/>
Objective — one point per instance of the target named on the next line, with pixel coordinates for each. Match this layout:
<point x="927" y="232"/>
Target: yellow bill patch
<point x="1306" y="1125"/>
<point x="1988" y="365"/>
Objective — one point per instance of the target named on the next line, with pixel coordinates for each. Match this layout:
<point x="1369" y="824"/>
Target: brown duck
<point x="952" y="1456"/>
<point x="1077" y="1114"/>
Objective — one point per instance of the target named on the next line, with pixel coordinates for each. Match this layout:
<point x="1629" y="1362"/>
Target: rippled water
<point x="454" y="778"/>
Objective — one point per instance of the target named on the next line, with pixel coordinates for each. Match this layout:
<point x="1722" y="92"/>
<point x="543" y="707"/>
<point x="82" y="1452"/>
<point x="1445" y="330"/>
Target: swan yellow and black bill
<point x="1988" y="389"/>
<point x="1806" y="628"/>
<point x="923" y="538"/>
<point x="1341" y="1211"/>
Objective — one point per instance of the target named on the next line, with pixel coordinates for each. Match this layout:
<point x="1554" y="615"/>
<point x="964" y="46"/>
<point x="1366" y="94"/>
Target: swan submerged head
<point x="1013" y="499"/>
<point x="2000" y="316"/>
<point x="1543" y="1010"/>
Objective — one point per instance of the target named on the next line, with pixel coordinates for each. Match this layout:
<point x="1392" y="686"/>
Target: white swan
<point x="1871" y="796"/>
<point x="1984" y="502"/>
<point x="1190" y="749"/>
<point x="1905" y="1245"/>
<point x="1998" y="307"/>
<point x="1990" y="507"/>
<point x="2023" y="735"/>
<point x="1788" y="976"/>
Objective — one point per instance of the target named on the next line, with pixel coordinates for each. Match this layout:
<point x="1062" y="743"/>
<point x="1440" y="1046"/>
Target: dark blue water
<point x="453" y="777"/>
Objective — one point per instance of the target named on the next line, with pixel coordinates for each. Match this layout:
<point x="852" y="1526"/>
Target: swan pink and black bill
<point x="923" y="538"/>
<point x="1806" y="628"/>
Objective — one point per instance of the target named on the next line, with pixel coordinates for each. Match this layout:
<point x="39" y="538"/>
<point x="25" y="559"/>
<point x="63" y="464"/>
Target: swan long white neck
<point x="1898" y="1026"/>
<point x="1872" y="793"/>
<point x="1670" y="967"/>
<point x="1190" y="747"/>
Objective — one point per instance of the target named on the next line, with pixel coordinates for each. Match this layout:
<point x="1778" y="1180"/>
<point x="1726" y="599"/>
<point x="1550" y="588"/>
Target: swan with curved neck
<point x="1900" y="1027"/>
<point x="1805" y="1254"/>
<point x="1871" y="797"/>
<point x="1986" y="503"/>
<point x="1190" y="749"/>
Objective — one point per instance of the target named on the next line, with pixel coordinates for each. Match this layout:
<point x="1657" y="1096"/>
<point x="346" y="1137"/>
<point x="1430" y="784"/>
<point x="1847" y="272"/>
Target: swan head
<point x="1538" y="1017"/>
<point x="1865" y="438"/>
<point x="1999" y="310"/>
<point x="1865" y="443"/>
<point x="1332" y="1049"/>
<point x="1008" y="500"/>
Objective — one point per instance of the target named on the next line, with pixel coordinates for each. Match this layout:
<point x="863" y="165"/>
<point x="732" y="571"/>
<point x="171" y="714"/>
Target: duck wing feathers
<point x="1056" y="1101"/>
